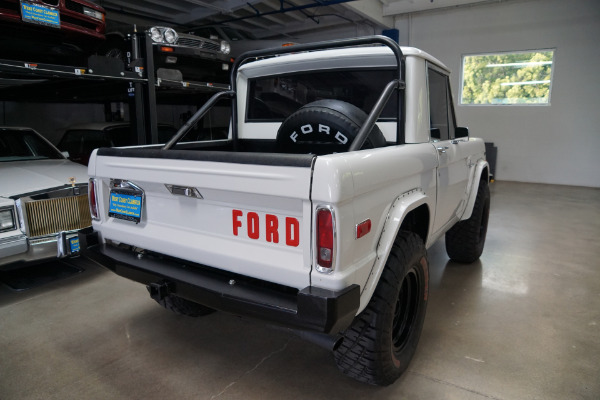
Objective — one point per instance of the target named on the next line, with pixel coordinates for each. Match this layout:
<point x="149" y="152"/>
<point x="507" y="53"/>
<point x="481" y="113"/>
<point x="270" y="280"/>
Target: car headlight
<point x="170" y="35"/>
<point x="225" y="47"/>
<point x="7" y="220"/>
<point x="93" y="13"/>
<point x="156" y="35"/>
<point x="160" y="34"/>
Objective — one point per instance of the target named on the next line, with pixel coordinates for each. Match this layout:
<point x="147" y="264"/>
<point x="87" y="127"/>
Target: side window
<point x="440" y="112"/>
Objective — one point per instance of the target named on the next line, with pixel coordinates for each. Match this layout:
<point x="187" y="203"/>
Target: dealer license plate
<point x="125" y="205"/>
<point x="39" y="14"/>
<point x="74" y="246"/>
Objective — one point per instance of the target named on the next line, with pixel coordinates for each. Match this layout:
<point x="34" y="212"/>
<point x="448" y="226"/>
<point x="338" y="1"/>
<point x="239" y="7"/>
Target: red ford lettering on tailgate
<point x="272" y="228"/>
<point x="251" y="226"/>
<point x="292" y="232"/>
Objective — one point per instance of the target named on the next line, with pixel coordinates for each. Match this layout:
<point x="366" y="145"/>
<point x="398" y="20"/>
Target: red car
<point x="50" y="30"/>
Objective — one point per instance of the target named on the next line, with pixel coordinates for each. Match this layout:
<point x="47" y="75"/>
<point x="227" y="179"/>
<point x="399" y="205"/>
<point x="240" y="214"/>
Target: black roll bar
<point x="329" y="44"/>
<point x="362" y="135"/>
<point x="365" y="129"/>
<point x="197" y="115"/>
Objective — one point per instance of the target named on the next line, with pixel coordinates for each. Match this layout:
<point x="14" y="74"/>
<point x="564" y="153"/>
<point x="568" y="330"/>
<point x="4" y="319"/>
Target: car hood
<point x="22" y="177"/>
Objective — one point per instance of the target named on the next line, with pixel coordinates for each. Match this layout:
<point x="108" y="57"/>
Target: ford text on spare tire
<point x="343" y="165"/>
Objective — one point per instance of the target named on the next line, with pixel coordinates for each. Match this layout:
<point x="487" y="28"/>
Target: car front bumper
<point x="15" y="251"/>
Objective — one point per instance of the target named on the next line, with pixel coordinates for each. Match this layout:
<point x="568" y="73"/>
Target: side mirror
<point x="461" y="132"/>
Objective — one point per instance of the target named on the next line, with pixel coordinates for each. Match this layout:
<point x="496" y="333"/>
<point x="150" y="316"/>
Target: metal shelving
<point x="103" y="79"/>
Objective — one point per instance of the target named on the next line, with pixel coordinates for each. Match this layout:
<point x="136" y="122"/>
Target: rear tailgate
<point x="246" y="213"/>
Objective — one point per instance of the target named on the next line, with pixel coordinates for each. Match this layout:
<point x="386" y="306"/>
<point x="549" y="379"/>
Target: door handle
<point x="442" y="149"/>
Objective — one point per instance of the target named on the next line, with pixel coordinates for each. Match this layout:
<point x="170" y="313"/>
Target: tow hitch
<point x="160" y="290"/>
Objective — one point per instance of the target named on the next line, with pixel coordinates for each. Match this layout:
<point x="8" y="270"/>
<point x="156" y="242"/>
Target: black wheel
<point x="382" y="340"/>
<point x="184" y="307"/>
<point x="325" y="127"/>
<point x="114" y="47"/>
<point x="465" y="240"/>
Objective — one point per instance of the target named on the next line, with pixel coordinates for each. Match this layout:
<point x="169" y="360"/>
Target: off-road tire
<point x="184" y="307"/>
<point x="382" y="339"/>
<point x="465" y="240"/>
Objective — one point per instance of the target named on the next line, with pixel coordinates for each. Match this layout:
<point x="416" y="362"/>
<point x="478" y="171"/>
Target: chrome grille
<point x="198" y="43"/>
<point x="45" y="217"/>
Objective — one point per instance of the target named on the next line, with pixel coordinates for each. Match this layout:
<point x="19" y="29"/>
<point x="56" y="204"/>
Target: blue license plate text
<point x="74" y="245"/>
<point x="38" y="14"/>
<point x="125" y="206"/>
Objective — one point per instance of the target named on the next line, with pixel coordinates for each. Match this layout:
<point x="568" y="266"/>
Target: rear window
<point x="275" y="98"/>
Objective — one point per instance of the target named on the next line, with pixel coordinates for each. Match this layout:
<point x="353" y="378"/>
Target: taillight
<point x="93" y="199"/>
<point x="325" y="240"/>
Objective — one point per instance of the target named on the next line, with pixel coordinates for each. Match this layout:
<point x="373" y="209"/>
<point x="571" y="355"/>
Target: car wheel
<point x="465" y="240"/>
<point x="115" y="47"/>
<point x="382" y="339"/>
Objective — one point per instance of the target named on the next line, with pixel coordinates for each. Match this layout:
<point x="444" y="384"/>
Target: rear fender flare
<point x="398" y="211"/>
<point x="481" y="172"/>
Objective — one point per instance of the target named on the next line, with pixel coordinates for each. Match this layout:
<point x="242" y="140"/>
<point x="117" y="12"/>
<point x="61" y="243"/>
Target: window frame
<point x="450" y="113"/>
<point x="462" y="77"/>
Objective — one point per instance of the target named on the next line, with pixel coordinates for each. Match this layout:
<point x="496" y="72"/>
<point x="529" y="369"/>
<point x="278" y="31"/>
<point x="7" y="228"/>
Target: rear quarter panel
<point x="364" y="185"/>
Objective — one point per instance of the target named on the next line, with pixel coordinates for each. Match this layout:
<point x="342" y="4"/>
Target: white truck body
<point x="253" y="215"/>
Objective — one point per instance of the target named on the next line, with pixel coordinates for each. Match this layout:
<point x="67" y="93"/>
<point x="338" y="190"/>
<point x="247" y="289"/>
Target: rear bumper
<point x="312" y="309"/>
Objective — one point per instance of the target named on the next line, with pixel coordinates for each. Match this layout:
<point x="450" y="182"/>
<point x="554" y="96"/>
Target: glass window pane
<point x="17" y="144"/>
<point x="438" y="105"/>
<point x="275" y="98"/>
<point x="507" y="78"/>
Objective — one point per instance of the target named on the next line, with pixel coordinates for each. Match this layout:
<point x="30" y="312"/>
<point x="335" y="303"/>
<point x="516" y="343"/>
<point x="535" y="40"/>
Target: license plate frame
<point x="126" y="205"/>
<point x="39" y="14"/>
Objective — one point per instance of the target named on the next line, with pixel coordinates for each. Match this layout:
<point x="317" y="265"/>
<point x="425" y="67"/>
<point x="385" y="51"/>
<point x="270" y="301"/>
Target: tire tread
<point x="360" y="355"/>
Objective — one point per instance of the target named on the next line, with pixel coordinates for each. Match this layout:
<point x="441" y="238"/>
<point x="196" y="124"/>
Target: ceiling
<point x="271" y="18"/>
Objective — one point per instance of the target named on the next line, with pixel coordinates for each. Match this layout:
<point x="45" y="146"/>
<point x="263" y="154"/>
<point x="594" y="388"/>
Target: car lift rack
<point x="139" y="79"/>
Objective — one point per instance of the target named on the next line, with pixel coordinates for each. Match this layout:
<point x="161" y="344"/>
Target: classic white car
<point x="43" y="199"/>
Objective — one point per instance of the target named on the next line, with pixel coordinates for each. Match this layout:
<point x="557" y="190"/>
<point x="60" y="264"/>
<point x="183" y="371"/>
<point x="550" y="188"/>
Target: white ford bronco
<point x="342" y="166"/>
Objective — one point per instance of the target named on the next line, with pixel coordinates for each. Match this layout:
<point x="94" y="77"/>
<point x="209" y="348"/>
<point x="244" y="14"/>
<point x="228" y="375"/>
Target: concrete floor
<point x="522" y="323"/>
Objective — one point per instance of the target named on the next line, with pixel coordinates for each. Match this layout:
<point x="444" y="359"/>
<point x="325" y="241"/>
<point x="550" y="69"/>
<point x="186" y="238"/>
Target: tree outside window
<point x="522" y="78"/>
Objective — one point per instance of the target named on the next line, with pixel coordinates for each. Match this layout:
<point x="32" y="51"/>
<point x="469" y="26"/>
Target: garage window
<point x="521" y="78"/>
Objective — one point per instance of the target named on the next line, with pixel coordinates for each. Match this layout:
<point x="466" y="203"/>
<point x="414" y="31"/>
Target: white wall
<point x="557" y="144"/>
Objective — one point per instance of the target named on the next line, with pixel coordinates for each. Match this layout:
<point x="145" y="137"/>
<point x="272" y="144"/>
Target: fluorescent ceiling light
<point x="524" y="83"/>
<point x="520" y="64"/>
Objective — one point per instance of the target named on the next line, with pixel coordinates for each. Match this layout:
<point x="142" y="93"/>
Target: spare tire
<point x="325" y="127"/>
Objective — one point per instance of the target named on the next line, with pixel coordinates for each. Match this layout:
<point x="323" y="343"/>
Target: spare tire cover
<point x="325" y="127"/>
